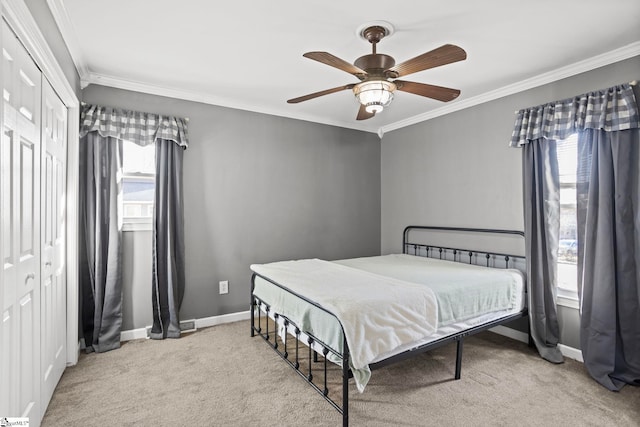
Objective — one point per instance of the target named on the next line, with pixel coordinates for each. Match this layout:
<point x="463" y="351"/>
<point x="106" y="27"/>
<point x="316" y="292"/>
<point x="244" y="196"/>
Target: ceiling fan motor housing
<point x="375" y="64"/>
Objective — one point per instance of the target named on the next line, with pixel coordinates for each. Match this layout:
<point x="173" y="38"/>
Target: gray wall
<point x="258" y="188"/>
<point x="262" y="188"/>
<point x="457" y="170"/>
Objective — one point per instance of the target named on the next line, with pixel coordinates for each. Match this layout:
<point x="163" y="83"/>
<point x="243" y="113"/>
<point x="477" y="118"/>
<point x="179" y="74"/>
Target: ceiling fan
<point x="378" y="74"/>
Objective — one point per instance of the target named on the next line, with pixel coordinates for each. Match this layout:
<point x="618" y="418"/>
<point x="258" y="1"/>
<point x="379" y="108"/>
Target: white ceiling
<point x="248" y="54"/>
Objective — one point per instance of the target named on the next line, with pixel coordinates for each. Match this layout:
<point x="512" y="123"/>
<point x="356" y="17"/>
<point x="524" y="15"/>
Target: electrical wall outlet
<point x="224" y="287"/>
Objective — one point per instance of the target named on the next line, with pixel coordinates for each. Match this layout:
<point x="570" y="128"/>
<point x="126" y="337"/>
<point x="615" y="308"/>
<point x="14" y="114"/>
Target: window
<point x="138" y="184"/>
<point x="568" y="244"/>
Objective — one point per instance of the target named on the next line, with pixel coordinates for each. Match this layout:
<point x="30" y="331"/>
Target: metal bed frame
<point x="316" y="347"/>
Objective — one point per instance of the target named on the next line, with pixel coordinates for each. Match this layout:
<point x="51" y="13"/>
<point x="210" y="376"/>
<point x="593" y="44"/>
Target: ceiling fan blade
<point x="364" y="114"/>
<point x="443" y="55"/>
<point x="321" y="93"/>
<point x="334" y="61"/>
<point x="440" y="93"/>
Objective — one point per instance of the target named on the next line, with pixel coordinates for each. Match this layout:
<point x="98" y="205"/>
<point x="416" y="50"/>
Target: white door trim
<point x="18" y="16"/>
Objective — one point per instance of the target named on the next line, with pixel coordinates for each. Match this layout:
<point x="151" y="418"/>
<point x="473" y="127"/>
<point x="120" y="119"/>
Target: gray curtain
<point x="536" y="128"/>
<point x="101" y="289"/>
<point x="609" y="255"/>
<point x="102" y="131"/>
<point x="542" y="222"/>
<point x="168" y="241"/>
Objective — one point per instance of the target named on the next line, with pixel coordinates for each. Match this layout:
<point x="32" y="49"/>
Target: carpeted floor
<point x="220" y="376"/>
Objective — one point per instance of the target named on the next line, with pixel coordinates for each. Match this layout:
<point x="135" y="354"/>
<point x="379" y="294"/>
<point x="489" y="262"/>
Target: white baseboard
<point x="133" y="334"/>
<point x="225" y="318"/>
<point x="141" y="333"/>
<point x="569" y="352"/>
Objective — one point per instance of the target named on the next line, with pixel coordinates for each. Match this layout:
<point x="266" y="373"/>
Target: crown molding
<point x="136" y="86"/>
<point x="589" y="64"/>
<point x="87" y="77"/>
<point x="70" y="38"/>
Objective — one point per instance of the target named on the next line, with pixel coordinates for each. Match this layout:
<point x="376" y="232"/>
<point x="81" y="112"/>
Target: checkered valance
<point x="610" y="109"/>
<point x="140" y="128"/>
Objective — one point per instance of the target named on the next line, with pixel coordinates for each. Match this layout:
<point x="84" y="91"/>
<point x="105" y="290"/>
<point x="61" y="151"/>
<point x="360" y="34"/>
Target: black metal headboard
<point x="466" y="255"/>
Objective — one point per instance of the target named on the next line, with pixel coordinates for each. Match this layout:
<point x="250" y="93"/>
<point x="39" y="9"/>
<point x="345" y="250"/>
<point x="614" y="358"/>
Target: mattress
<point x="463" y="291"/>
<point x="466" y="295"/>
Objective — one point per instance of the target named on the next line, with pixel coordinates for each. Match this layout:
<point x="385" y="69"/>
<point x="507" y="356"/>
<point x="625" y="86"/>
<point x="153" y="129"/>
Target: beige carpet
<point x="220" y="376"/>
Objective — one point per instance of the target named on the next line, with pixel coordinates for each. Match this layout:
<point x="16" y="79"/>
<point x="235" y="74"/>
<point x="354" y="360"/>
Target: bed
<point x="361" y="314"/>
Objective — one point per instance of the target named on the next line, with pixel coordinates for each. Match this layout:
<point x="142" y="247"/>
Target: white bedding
<point x="377" y="313"/>
<point x="411" y="301"/>
<point x="463" y="290"/>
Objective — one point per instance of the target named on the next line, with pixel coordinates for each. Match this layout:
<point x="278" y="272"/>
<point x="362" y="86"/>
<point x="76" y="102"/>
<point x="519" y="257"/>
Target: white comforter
<point x="378" y="313"/>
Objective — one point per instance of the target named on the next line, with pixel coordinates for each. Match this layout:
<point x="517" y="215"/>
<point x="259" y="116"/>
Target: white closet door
<point x="21" y="231"/>
<point x="7" y="250"/>
<point x="53" y="286"/>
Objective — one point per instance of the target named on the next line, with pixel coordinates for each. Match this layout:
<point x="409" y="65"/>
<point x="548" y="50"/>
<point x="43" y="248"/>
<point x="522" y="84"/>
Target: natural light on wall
<point x="138" y="166"/>
<point x="568" y="245"/>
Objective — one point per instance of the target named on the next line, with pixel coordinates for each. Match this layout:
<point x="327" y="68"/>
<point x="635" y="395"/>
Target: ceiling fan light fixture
<point x="373" y="108"/>
<point x="374" y="94"/>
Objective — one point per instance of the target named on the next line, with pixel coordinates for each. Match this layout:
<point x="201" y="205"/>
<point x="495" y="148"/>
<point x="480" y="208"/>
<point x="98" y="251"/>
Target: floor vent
<point x="185" y="326"/>
<point x="188" y="325"/>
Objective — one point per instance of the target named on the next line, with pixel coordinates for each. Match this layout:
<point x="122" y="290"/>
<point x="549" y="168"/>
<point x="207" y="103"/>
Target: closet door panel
<point x="10" y="181"/>
<point x="21" y="268"/>
<point x="33" y="154"/>
<point x="8" y="251"/>
<point x="53" y="293"/>
<point x="28" y="93"/>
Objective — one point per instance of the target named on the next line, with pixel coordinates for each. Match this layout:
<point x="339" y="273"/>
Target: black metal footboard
<point x="303" y="360"/>
<point x="292" y="355"/>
